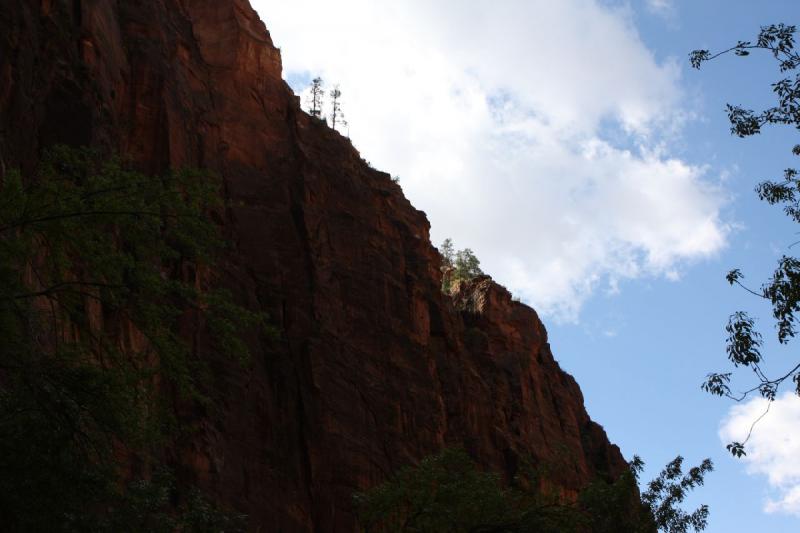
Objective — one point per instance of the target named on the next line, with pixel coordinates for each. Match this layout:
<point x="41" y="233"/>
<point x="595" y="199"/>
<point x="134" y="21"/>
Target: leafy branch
<point x="782" y="290"/>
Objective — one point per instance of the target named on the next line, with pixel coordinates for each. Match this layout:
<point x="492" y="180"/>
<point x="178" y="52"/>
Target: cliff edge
<point x="374" y="368"/>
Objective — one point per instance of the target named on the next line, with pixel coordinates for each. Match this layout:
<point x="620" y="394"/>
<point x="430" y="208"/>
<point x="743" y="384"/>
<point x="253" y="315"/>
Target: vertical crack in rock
<point x="327" y="246"/>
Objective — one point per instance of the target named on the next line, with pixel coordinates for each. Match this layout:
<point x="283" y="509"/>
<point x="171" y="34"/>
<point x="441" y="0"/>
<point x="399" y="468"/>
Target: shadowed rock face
<point x="374" y="367"/>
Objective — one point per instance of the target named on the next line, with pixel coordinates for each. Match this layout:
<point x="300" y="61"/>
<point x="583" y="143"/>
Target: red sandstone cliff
<point x="375" y="368"/>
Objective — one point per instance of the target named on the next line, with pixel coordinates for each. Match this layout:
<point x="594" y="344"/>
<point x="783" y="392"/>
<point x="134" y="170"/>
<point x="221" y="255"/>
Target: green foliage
<point x="445" y="493"/>
<point x="447" y="250"/>
<point x="99" y="267"/>
<point x="150" y="505"/>
<point x="457" y="265"/>
<point x="466" y="265"/>
<point x="448" y="493"/>
<point x="669" y="489"/>
<point x="782" y="290"/>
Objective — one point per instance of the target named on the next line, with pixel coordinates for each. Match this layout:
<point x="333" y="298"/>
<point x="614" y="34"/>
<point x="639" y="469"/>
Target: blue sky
<point x="642" y="382"/>
<point x="669" y="334"/>
<point x="571" y="146"/>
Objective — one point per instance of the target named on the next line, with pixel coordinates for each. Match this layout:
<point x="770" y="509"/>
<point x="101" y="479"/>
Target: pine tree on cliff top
<point x="316" y="97"/>
<point x="336" y="108"/>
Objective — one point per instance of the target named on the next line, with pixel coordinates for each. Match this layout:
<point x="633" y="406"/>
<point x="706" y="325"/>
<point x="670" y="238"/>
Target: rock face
<point x="375" y="367"/>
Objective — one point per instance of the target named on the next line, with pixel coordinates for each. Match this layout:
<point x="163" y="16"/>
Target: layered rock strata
<point x="374" y="367"/>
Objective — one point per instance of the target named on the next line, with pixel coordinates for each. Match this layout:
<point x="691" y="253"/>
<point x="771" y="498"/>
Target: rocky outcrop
<point x="535" y="407"/>
<point x="375" y="367"/>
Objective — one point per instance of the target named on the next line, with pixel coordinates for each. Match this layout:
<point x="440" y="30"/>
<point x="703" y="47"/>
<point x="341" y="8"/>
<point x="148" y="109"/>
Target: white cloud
<point x="535" y="132"/>
<point x="773" y="449"/>
<point x="661" y="7"/>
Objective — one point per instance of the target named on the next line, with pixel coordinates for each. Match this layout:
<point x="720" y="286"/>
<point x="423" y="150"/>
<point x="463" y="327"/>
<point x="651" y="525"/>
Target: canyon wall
<point x="374" y="367"/>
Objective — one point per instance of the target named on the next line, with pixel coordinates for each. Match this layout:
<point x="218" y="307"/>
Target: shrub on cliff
<point x="457" y="265"/>
<point x="100" y="267"/>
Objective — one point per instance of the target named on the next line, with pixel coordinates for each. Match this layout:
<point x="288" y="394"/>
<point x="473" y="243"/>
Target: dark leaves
<point x="717" y="384"/>
<point x="778" y="192"/>
<point x="783" y="290"/>
<point x="697" y="57"/>
<point x="744" y="122"/>
<point x="743" y="341"/>
<point x="734" y="276"/>
<point x="665" y="493"/>
<point x="637" y="466"/>
<point x="784" y="192"/>
<point x="779" y="38"/>
<point x="447" y="492"/>
<point x="768" y="391"/>
<point x="736" y="449"/>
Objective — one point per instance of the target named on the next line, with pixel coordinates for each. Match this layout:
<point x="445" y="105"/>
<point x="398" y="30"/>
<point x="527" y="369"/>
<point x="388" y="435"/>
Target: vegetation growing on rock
<point x="100" y="269"/>
<point x="457" y="265"/>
